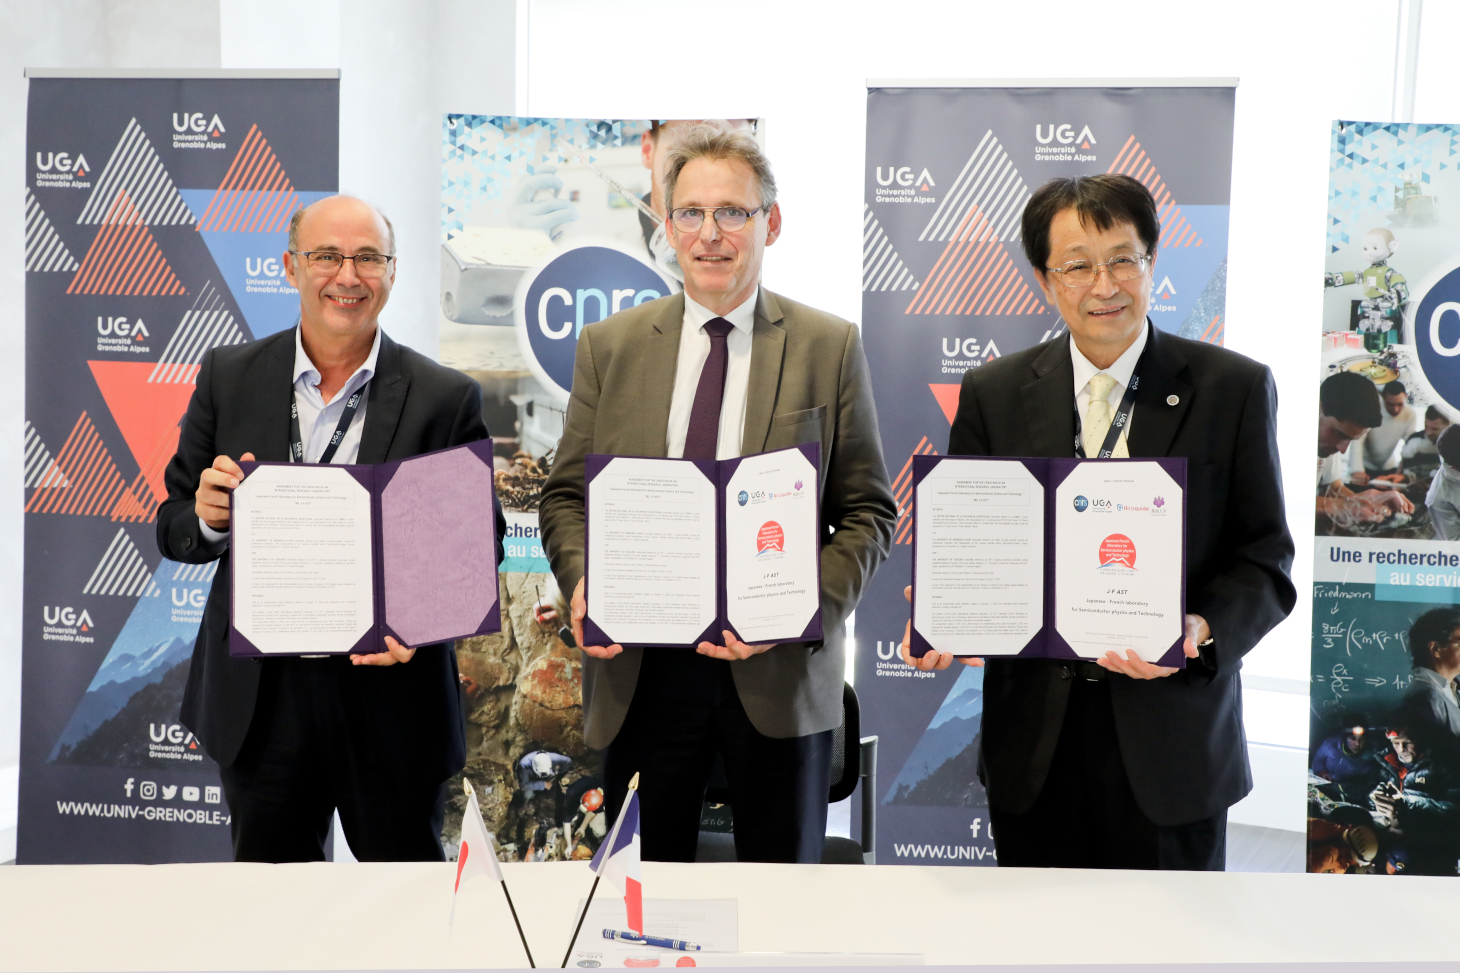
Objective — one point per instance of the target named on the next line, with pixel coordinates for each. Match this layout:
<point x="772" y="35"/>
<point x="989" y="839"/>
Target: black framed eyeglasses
<point x="689" y="219"/>
<point x="328" y="262"/>
<point x="1082" y="273"/>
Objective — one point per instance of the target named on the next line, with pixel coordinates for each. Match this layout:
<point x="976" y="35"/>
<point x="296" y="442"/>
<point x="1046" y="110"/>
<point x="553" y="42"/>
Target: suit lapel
<point x="659" y="357"/>
<point x="1049" y="401"/>
<point x="767" y="349"/>
<point x="278" y="380"/>
<point x="387" y="398"/>
<point x="1154" y="420"/>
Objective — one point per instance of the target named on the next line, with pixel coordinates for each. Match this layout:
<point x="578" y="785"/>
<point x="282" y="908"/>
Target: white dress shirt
<point x="1120" y="371"/>
<point x="694" y="348"/>
<point x="318" y="419"/>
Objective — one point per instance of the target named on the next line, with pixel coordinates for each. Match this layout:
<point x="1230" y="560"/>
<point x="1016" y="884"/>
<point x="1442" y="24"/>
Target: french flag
<point x="618" y="861"/>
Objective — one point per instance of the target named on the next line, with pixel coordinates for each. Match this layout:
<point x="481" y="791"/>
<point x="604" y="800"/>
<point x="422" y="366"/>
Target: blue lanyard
<point x="296" y="444"/>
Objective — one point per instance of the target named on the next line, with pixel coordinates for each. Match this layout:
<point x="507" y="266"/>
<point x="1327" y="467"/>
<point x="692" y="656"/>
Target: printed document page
<point x="1118" y="560"/>
<point x="301" y="552"/>
<point x="772" y="549"/>
<point x="980" y="557"/>
<point x="651" y="551"/>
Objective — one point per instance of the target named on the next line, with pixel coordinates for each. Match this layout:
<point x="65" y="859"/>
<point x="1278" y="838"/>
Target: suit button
<point x="187" y="543"/>
<point x="1065" y="672"/>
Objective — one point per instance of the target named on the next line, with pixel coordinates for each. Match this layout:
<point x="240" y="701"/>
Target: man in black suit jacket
<point x="297" y="738"/>
<point x="1120" y="763"/>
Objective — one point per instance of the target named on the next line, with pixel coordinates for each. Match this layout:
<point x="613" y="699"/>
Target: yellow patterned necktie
<point x="1097" y="419"/>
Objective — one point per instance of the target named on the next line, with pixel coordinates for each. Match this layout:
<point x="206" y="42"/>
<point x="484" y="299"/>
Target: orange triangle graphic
<point x="255" y="195"/>
<point x="124" y="258"/>
<point x="146" y="412"/>
<point x="947" y="396"/>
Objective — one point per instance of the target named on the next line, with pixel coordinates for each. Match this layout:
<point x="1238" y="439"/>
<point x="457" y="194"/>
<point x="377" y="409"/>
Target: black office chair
<point x="848" y="767"/>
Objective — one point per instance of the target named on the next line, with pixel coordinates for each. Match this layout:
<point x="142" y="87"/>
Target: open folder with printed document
<point x="330" y="559"/>
<point x="680" y="550"/>
<point x="1049" y="558"/>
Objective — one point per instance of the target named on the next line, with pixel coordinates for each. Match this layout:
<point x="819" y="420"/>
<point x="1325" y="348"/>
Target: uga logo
<point x="62" y="162"/>
<point x="66" y="615"/>
<point x="197" y="122"/>
<point x="1064" y="134"/>
<point x="189" y="597"/>
<point x="903" y="176"/>
<point x="120" y="326"/>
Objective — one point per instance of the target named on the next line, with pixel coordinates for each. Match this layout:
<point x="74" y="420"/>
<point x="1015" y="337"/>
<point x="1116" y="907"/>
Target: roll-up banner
<point x="156" y="214"/>
<point x="945" y="288"/>
<point x="547" y="225"/>
<point x="1384" y="781"/>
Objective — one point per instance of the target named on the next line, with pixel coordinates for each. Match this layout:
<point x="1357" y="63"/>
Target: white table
<point x="394" y="916"/>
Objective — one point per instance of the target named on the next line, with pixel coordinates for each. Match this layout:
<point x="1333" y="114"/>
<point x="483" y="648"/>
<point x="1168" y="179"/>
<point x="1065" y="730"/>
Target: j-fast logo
<point x="903" y="176"/>
<point x="67" y="616"/>
<point x="197" y="122"/>
<point x="61" y="162"/>
<point x="1064" y="134"/>
<point x="122" y="328"/>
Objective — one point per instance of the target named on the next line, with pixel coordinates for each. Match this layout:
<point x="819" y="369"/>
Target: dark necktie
<point x="703" y="437"/>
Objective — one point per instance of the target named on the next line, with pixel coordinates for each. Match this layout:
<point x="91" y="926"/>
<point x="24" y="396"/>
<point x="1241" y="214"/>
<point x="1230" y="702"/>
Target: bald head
<point x="332" y="206"/>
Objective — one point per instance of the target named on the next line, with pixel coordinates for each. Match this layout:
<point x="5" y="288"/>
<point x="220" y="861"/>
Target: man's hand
<point x="1197" y="630"/>
<point x="215" y="486"/>
<point x="395" y="652"/>
<point x="733" y="650"/>
<point x="580" y="609"/>
<point x="930" y="660"/>
<point x="1391" y="499"/>
<point x="1361" y="477"/>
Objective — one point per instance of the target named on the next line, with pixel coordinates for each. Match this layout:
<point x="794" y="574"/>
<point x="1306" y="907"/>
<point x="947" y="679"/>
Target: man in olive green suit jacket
<point x="797" y="375"/>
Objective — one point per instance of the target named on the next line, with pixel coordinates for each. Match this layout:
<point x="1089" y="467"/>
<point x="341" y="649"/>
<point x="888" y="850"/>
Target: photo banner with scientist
<point x="547" y="226"/>
<point x="156" y="219"/>
<point x="1384" y="738"/>
<point x="946" y="288"/>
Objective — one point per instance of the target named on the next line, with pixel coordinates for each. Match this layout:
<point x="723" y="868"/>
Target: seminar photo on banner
<point x="1384" y="743"/>
<point x="946" y="288"/>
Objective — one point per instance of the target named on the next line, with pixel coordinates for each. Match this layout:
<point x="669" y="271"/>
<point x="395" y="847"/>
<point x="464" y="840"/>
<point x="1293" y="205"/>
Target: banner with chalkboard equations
<point x="1384" y="770"/>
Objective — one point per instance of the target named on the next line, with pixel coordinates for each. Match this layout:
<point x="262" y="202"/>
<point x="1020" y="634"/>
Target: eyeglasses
<point x="689" y="219"/>
<point x="1082" y="273"/>
<point x="327" y="263"/>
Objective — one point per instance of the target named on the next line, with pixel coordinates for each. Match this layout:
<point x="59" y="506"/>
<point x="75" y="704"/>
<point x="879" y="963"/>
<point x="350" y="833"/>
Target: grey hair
<point x="298" y="218"/>
<point x="719" y="143"/>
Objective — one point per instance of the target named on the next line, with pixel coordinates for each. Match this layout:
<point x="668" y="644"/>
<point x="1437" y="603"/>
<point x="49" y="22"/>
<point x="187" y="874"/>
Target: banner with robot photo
<point x="155" y="220"/>
<point x="547" y="225"/>
<point x="946" y="288"/>
<point x="1384" y="783"/>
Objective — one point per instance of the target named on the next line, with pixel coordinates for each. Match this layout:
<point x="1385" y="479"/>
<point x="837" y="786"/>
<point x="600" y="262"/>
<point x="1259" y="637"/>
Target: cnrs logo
<point x="189" y="597"/>
<point x="1064" y="134"/>
<point x="903" y="176"/>
<point x="263" y="267"/>
<point x="197" y="122"/>
<point x="66" y="615"/>
<point x="121" y="327"/>
<point x="62" y="162"/>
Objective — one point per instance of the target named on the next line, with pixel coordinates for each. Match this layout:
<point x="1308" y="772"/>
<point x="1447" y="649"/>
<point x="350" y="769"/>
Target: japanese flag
<point x="478" y="854"/>
<point x="618" y="861"/>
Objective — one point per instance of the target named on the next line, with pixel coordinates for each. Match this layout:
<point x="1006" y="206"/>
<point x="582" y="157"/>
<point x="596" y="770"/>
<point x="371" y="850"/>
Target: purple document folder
<point x="771" y="540"/>
<point x="1110" y="551"/>
<point x="433" y="553"/>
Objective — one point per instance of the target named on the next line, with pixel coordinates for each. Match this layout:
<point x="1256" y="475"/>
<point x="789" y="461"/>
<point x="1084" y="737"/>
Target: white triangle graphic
<point x="990" y="182"/>
<point x="44" y="251"/>
<point x="122" y="571"/>
<point x="135" y="169"/>
<point x="40" y="469"/>
<point x="882" y="268"/>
